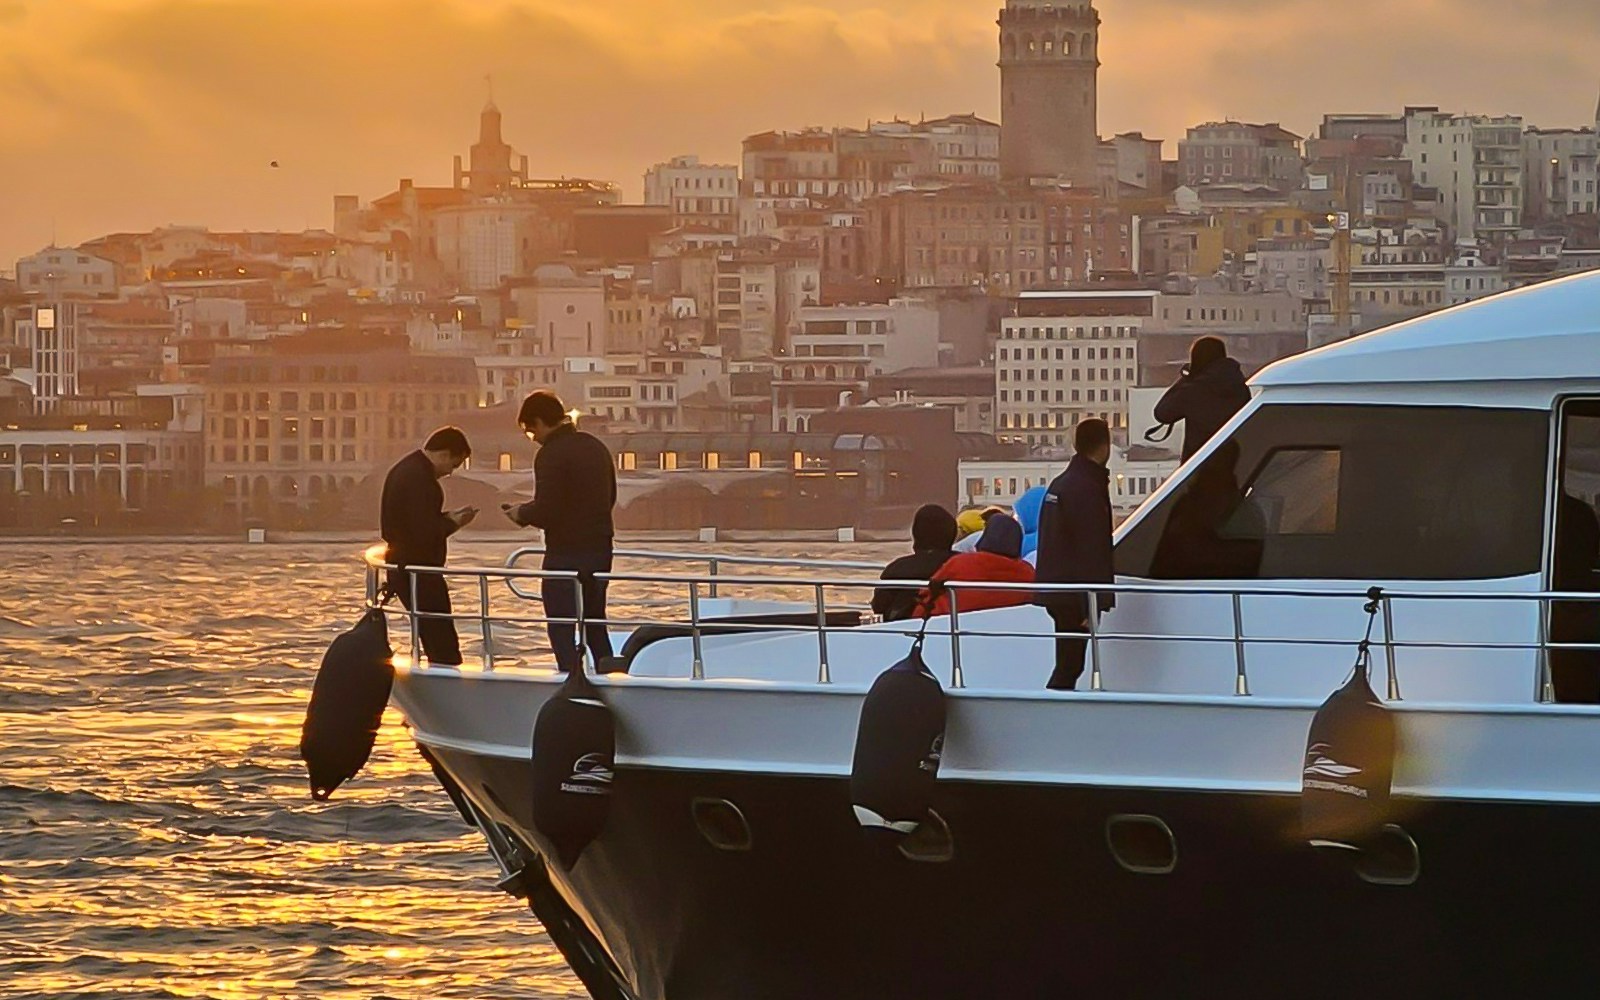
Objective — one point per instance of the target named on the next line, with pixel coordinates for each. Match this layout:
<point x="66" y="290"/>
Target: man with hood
<point x="933" y="531"/>
<point x="998" y="559"/>
<point x="1206" y="396"/>
<point x="969" y="527"/>
<point x="1026" y="510"/>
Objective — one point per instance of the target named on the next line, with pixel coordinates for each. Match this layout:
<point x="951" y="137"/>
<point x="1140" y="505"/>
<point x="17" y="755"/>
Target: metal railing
<point x="696" y="587"/>
<point x="713" y="563"/>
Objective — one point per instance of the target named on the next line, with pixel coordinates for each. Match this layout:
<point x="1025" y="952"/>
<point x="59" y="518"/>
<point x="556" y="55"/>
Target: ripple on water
<point x="156" y="835"/>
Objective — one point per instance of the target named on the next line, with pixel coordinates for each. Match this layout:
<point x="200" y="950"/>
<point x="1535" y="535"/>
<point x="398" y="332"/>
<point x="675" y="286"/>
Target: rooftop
<point x="1542" y="332"/>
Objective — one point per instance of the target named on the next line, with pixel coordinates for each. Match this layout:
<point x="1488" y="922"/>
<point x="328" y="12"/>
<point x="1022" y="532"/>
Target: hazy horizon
<point x="132" y="114"/>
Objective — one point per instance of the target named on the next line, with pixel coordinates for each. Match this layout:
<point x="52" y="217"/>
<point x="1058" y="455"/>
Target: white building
<point x="1390" y="292"/>
<point x="1000" y="484"/>
<point x="1298" y="265"/>
<point x="641" y="392"/>
<point x="1559" y="172"/>
<point x="1067" y="356"/>
<point x="902" y="334"/>
<point x="211" y="318"/>
<point x="118" y="466"/>
<point x="702" y="195"/>
<point x="1469" y="277"/>
<point x="479" y="245"/>
<point x="56" y="272"/>
<point x="50" y="333"/>
<point x="560" y="313"/>
<point x="509" y="378"/>
<point x="1476" y="162"/>
<point x="966" y="147"/>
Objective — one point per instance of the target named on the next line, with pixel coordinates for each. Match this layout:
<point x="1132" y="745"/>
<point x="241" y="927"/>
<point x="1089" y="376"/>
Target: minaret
<point x="1049" y="70"/>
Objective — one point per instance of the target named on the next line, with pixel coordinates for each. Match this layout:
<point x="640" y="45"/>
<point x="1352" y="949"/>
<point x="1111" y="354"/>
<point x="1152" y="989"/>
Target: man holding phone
<point x="574" y="490"/>
<point x="417" y="529"/>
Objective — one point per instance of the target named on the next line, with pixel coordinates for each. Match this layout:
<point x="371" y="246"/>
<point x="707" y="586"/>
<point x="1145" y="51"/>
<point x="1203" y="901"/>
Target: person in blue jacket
<point x="1075" y="547"/>
<point x="1026" y="511"/>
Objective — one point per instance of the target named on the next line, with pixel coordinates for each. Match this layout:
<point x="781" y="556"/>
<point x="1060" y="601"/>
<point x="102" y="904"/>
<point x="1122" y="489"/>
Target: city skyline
<point x="193" y="102"/>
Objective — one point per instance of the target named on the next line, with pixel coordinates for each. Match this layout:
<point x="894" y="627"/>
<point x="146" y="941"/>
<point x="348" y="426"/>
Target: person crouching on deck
<point x="998" y="559"/>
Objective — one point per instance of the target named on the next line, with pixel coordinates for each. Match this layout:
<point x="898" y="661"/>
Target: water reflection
<point x="156" y="836"/>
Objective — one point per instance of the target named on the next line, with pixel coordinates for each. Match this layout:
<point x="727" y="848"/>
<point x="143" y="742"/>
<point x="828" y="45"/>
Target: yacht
<point x="1429" y="488"/>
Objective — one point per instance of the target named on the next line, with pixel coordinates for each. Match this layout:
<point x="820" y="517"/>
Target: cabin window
<point x="1575" y="555"/>
<point x="1297" y="492"/>
<point x="1360" y="493"/>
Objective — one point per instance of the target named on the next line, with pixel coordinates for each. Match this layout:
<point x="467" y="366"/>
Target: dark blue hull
<point x="1033" y="900"/>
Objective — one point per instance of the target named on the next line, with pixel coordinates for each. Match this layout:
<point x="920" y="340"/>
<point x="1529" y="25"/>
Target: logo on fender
<point x="591" y="775"/>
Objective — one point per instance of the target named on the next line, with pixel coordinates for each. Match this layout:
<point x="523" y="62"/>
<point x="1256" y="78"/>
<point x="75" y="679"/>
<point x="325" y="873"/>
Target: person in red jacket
<point x="997" y="560"/>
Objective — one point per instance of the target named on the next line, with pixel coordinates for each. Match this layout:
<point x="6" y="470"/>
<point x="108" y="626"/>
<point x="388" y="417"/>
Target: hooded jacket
<point x="933" y="531"/>
<point x="997" y="560"/>
<point x="1204" y="401"/>
<point x="1075" y="537"/>
<point x="1026" y="510"/>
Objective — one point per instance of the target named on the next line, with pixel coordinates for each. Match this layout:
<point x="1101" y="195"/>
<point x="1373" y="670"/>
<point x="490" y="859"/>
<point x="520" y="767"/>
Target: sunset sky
<point x="130" y="114"/>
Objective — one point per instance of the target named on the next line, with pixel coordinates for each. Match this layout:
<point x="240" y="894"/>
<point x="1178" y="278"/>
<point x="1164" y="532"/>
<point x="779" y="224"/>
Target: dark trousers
<point x="560" y="601"/>
<point x="1070" y="649"/>
<point x="438" y="635"/>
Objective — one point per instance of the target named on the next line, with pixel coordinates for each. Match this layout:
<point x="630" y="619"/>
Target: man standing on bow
<point x="1075" y="547"/>
<point x="417" y="530"/>
<point x="574" y="490"/>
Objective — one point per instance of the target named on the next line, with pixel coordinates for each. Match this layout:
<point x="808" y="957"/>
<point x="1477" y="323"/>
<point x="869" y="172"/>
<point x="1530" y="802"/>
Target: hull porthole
<point x="1392" y="858"/>
<point x="1143" y="845"/>
<point x="930" y="842"/>
<point x="722" y="824"/>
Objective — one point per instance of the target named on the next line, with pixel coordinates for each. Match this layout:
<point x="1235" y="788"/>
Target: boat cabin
<point x="1453" y="461"/>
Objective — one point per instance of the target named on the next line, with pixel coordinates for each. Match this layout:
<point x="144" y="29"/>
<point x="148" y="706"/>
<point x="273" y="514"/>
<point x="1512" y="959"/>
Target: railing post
<point x="824" y="674"/>
<point x="1547" y="682"/>
<point x="1096" y="678"/>
<point x="584" y="652"/>
<point x="483" y="620"/>
<point x="1388" y="649"/>
<point x="699" y="668"/>
<point x="416" y="639"/>
<point x="958" y="677"/>
<point x="716" y="571"/>
<point x="1241" y="680"/>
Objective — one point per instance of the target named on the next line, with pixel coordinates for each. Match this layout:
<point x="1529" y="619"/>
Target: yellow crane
<point x="1340" y="221"/>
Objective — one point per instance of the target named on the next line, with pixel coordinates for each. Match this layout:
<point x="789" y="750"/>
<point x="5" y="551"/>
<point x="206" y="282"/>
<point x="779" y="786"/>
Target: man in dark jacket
<point x="1206" y="396"/>
<point x="933" y="531"/>
<point x="1075" y="546"/>
<point x="417" y="530"/>
<point x="574" y="490"/>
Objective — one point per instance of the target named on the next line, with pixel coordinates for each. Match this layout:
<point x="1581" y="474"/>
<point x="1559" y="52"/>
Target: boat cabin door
<point x="1575" y="554"/>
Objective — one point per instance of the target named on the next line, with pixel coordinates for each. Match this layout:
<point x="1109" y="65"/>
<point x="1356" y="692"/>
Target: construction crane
<point x="1340" y="220"/>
